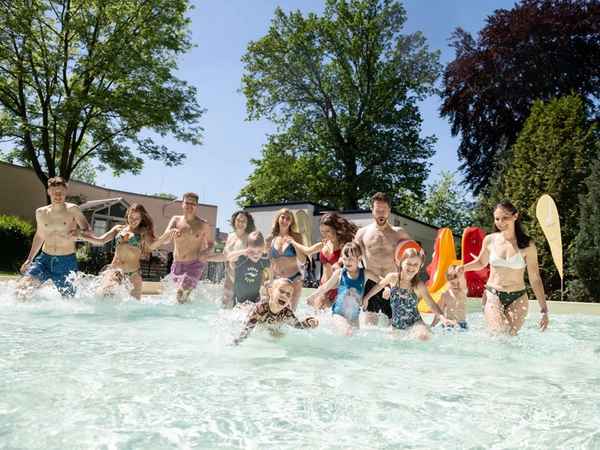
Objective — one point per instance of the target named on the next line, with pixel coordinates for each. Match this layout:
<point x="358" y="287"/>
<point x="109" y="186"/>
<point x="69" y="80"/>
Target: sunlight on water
<point x="91" y="372"/>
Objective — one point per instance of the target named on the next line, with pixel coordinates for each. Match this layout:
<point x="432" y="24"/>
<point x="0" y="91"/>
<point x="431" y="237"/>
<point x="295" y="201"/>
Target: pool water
<point x="118" y="373"/>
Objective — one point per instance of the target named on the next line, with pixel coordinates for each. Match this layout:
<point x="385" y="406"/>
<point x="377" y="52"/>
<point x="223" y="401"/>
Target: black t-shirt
<point x="248" y="279"/>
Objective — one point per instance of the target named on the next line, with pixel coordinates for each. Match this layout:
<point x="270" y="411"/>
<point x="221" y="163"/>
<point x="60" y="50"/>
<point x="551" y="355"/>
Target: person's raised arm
<point x="235" y="255"/>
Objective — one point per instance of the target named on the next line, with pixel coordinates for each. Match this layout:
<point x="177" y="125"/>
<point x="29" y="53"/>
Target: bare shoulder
<point x="73" y="208"/>
<point x="401" y="233"/>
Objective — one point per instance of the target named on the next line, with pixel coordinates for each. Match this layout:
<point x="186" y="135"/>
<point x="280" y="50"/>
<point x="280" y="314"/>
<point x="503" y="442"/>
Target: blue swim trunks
<point x="462" y="326"/>
<point x="56" y="268"/>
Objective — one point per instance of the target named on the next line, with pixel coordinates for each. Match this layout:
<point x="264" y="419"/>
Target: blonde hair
<point x="452" y="272"/>
<point x="409" y="253"/>
<point x="275" y="225"/>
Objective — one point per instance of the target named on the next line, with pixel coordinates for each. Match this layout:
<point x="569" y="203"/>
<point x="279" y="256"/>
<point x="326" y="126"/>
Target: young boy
<point x="55" y="233"/>
<point x="275" y="309"/>
<point x="250" y="264"/>
<point x="453" y="302"/>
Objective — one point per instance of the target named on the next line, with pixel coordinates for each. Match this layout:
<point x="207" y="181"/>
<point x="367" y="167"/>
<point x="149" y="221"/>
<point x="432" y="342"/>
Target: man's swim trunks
<point x="187" y="272"/>
<point x="56" y="268"/>
<point x="377" y="303"/>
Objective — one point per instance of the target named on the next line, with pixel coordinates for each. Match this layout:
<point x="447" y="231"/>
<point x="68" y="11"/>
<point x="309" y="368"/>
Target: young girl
<point x="132" y="243"/>
<point x="275" y="309"/>
<point x="350" y="282"/>
<point x="337" y="231"/>
<point x="406" y="290"/>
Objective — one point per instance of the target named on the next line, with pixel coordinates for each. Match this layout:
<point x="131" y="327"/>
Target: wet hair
<point x="191" y="195"/>
<point x="409" y="253"/>
<point x="255" y="239"/>
<point x="452" y="273"/>
<point x="250" y="227"/>
<point x="351" y="249"/>
<point x="523" y="240"/>
<point x="381" y="197"/>
<point x="56" y="182"/>
<point x="342" y="226"/>
<point x="283" y="280"/>
<point x="275" y="225"/>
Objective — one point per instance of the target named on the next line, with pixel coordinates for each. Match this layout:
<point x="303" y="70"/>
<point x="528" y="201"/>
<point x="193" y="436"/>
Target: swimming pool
<point x="117" y="373"/>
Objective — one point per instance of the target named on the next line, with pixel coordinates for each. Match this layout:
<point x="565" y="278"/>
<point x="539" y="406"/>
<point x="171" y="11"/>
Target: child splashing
<point x="404" y="298"/>
<point x="350" y="282"/>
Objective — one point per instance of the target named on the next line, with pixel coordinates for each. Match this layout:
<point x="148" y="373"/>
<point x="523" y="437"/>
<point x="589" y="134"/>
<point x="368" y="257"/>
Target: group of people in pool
<point x="60" y="223"/>
<point x="385" y="287"/>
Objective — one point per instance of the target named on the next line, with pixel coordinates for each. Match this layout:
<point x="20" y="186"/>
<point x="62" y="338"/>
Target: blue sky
<point x="219" y="169"/>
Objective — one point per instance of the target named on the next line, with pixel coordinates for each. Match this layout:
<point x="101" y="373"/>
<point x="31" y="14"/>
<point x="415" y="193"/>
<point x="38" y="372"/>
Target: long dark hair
<point x="342" y="226"/>
<point x="523" y="240"/>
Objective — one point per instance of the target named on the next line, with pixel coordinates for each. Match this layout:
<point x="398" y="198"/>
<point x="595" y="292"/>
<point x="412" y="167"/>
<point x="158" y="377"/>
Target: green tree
<point x="165" y="195"/>
<point x="16" y="236"/>
<point x="540" y="49"/>
<point x="552" y="157"/>
<point x="343" y="89"/>
<point x="584" y="257"/>
<point x="85" y="81"/>
<point x="445" y="205"/>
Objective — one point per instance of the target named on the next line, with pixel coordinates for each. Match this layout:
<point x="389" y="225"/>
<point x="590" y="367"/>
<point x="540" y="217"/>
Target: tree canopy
<point x="87" y="81"/>
<point x="445" y="205"/>
<point x="343" y="89"/>
<point x="540" y="49"/>
<point x="552" y="156"/>
<point x="584" y="259"/>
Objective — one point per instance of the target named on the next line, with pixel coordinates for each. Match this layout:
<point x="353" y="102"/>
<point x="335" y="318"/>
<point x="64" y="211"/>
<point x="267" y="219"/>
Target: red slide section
<point x="471" y="246"/>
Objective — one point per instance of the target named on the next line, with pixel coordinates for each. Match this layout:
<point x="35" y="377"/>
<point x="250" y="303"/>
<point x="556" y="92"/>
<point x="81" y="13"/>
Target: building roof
<point x="94" y="205"/>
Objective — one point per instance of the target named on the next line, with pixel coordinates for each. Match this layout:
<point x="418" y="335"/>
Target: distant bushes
<point x="16" y="236"/>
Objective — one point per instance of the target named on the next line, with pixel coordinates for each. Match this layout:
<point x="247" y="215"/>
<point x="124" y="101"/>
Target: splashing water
<point x="92" y="372"/>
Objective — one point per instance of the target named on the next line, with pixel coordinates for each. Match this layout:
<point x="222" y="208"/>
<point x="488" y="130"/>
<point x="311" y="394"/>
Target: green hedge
<point x="16" y="236"/>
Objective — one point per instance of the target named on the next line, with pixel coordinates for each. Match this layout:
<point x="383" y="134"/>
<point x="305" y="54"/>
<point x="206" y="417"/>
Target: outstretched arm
<point x="442" y="306"/>
<point x="106" y="237"/>
<point x="482" y="259"/>
<point x="303" y="248"/>
<point x="390" y="278"/>
<point x="331" y="284"/>
<point x="424" y="293"/>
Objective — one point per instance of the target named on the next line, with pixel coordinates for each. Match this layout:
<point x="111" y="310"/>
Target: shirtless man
<point x="190" y="233"/>
<point x="378" y="243"/>
<point x="55" y="232"/>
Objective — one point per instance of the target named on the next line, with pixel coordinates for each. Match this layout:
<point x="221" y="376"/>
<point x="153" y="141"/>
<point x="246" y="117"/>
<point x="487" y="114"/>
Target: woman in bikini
<point x="242" y="224"/>
<point x="337" y="231"/>
<point x="283" y="256"/>
<point x="509" y="251"/>
<point x="132" y="243"/>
